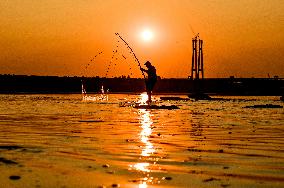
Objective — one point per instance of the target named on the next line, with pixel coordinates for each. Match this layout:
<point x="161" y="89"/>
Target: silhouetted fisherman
<point x="151" y="79"/>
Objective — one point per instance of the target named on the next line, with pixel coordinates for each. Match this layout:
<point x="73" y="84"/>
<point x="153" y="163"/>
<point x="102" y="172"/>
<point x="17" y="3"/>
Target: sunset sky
<point x="242" y="38"/>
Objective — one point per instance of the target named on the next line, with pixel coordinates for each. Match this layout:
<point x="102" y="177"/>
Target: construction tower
<point x="197" y="70"/>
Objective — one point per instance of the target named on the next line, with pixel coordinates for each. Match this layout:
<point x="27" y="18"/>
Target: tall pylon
<point x="197" y="70"/>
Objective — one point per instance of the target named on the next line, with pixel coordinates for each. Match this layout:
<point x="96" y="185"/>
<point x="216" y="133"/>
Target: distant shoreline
<point x="22" y="84"/>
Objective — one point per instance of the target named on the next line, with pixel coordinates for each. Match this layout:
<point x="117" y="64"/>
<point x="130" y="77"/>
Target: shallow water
<point x="62" y="141"/>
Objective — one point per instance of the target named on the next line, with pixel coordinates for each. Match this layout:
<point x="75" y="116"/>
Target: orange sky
<point x="243" y="38"/>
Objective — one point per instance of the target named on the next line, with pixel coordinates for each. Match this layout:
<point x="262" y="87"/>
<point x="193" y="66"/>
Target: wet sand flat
<point x="62" y="141"/>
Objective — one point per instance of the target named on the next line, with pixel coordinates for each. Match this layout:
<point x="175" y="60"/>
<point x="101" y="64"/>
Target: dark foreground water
<point x="62" y="141"/>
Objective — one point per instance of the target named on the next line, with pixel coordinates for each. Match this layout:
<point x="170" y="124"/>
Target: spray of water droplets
<point x="118" y="55"/>
<point x="91" y="62"/>
<point x="131" y="52"/>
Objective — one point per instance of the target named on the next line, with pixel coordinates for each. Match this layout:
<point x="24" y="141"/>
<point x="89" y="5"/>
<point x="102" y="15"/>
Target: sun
<point x="147" y="35"/>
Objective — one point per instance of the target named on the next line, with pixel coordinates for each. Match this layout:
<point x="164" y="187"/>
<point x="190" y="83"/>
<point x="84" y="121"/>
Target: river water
<point x="61" y="141"/>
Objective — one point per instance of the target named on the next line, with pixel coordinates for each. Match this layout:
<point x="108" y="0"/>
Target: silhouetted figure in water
<point x="151" y="79"/>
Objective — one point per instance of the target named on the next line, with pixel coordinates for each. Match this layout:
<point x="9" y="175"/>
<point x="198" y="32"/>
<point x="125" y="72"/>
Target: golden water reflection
<point x="142" y="185"/>
<point x="147" y="148"/>
<point x="143" y="98"/>
<point x="145" y="133"/>
<point x="141" y="167"/>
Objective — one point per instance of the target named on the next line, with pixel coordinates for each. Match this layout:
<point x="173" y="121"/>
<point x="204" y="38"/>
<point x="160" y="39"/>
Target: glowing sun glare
<point x="147" y="35"/>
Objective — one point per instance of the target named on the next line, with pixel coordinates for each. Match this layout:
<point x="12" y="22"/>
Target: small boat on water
<point x="199" y="96"/>
<point x="138" y="105"/>
<point x="165" y="107"/>
<point x="174" y="99"/>
<point x="265" y="106"/>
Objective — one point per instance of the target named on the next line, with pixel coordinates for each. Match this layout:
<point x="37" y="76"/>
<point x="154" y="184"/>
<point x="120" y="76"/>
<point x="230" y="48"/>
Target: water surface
<point x="62" y="141"/>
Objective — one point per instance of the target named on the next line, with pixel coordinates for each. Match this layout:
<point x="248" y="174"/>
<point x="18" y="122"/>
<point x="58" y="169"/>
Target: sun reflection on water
<point x="142" y="185"/>
<point x="146" y="131"/>
<point x="141" y="167"/>
<point x="147" y="148"/>
<point x="147" y="164"/>
<point x="143" y="98"/>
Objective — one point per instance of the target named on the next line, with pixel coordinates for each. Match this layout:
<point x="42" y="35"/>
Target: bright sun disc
<point x="147" y="35"/>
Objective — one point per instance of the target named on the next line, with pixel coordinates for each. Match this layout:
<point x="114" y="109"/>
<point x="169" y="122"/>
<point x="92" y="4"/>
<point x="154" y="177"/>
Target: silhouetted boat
<point x="138" y="105"/>
<point x="199" y="96"/>
<point x="265" y="106"/>
<point x="174" y="99"/>
<point x="165" y="107"/>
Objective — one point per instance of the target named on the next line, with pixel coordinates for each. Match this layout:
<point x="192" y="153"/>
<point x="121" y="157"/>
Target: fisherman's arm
<point x="144" y="70"/>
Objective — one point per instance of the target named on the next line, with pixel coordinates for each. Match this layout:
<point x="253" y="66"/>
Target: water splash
<point x="91" y="62"/>
<point x="132" y="52"/>
<point x="103" y="96"/>
<point x="117" y="55"/>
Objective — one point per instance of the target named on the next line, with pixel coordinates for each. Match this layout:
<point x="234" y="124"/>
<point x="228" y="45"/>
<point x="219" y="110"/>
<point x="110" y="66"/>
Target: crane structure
<point x="197" y="70"/>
